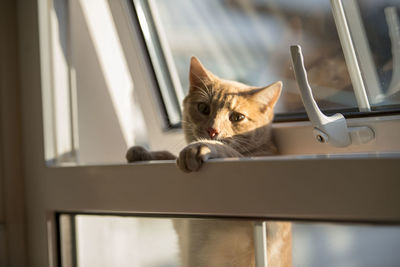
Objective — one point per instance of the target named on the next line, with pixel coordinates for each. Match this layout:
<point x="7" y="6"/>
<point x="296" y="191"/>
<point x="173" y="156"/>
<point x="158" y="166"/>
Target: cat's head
<point x="228" y="111"/>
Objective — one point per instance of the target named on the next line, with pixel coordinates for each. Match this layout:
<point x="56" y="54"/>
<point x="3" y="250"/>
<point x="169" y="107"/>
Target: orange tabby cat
<point x="222" y="119"/>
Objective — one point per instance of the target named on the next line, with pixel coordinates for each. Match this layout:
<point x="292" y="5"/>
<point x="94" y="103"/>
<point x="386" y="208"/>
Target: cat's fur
<point x="249" y="137"/>
<point x="221" y="119"/>
<point x="225" y="243"/>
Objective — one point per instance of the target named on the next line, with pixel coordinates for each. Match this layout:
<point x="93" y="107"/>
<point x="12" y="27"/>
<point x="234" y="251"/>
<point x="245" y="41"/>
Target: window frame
<point x="352" y="62"/>
<point x="372" y="87"/>
<point x="160" y="56"/>
<point x="224" y="188"/>
<point x="12" y="210"/>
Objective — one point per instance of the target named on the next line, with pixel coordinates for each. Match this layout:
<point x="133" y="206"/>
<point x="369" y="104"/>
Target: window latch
<point x="327" y="129"/>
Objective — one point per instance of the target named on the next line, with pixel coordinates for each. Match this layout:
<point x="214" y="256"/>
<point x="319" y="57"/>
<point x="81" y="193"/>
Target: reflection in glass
<point x="249" y="41"/>
<point x="95" y="240"/>
<point x="379" y="22"/>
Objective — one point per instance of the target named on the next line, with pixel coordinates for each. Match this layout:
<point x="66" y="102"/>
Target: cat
<point x="230" y="243"/>
<point x="221" y="119"/>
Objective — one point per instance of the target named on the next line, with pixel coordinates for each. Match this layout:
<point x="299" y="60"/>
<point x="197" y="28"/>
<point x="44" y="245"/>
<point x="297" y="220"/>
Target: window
<point x="357" y="188"/>
<point x="140" y="241"/>
<point x="249" y="41"/>
<point x="119" y="71"/>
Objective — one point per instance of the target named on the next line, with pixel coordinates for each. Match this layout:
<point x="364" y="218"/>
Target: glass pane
<point x="375" y="29"/>
<point x="138" y="241"/>
<point x="248" y="41"/>
<point x="319" y="244"/>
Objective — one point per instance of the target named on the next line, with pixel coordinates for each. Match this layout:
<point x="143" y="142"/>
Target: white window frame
<point x="343" y="188"/>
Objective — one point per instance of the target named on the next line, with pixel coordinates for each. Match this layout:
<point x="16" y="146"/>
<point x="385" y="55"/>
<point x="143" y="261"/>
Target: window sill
<point x="357" y="188"/>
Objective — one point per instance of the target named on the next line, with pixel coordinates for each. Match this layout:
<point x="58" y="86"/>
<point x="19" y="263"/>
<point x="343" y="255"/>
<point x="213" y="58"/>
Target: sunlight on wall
<point x="125" y="242"/>
<point x="60" y="83"/>
<point x="113" y="64"/>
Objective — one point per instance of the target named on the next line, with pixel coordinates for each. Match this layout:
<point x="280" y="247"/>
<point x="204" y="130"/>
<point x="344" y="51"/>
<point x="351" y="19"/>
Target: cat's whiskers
<point x="242" y="144"/>
<point x="185" y="122"/>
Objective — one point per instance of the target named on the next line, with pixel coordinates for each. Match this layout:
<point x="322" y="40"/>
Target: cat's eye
<point x="203" y="108"/>
<point x="236" y="117"/>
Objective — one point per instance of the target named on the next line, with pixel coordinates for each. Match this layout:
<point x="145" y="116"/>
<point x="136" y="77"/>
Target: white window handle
<point x="333" y="129"/>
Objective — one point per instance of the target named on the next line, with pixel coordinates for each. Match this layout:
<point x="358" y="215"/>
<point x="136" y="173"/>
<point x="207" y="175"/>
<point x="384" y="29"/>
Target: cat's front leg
<point x="192" y="157"/>
<point x="138" y="153"/>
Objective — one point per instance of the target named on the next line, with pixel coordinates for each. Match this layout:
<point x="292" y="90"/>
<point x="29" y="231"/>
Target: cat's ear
<point x="269" y="95"/>
<point x="199" y="76"/>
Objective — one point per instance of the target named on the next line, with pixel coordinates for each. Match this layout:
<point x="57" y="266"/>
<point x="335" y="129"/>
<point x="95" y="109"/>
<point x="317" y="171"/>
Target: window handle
<point x="327" y="129"/>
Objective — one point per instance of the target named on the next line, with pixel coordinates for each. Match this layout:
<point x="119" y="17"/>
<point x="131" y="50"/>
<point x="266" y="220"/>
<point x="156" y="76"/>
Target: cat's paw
<point x="191" y="158"/>
<point x="137" y="153"/>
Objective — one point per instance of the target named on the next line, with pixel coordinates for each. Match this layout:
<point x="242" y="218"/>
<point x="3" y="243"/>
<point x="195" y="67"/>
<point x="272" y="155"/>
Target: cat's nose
<point x="212" y="132"/>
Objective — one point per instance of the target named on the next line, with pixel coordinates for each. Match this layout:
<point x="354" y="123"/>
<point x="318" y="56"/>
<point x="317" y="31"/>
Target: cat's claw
<point x="191" y="158"/>
<point x="137" y="153"/>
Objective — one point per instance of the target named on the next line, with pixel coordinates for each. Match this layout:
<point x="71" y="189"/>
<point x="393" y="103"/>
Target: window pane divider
<point x="363" y="52"/>
<point x="158" y="59"/>
<point x="350" y="55"/>
<point x="166" y="51"/>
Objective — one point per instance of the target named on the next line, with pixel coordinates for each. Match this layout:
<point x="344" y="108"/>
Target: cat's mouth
<point x="204" y="135"/>
<point x="220" y="138"/>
